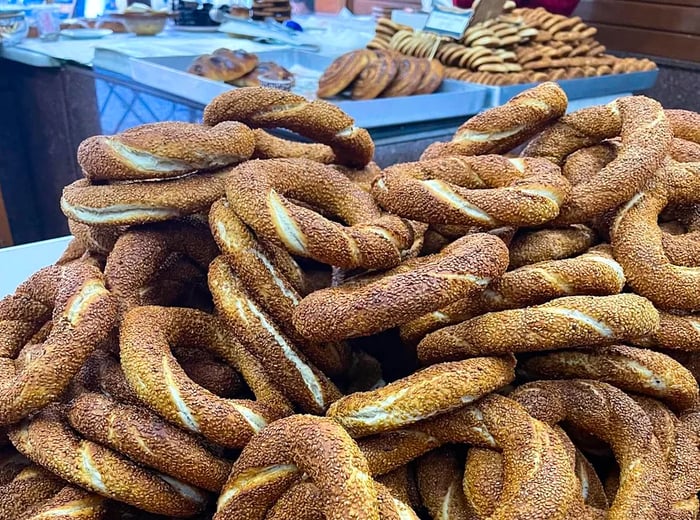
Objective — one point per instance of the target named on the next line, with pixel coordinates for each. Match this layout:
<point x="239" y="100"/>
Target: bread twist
<point x="268" y="146"/>
<point x="677" y="331"/>
<point x="501" y="129"/>
<point x="318" y="120"/>
<point x="259" y="192"/>
<point x="417" y="286"/>
<point x="439" y="475"/>
<point x="646" y="139"/>
<point x="140" y="202"/>
<point x="573" y="321"/>
<point x="632" y="369"/>
<point x="48" y="440"/>
<point x="432" y="391"/>
<point x="159" y="381"/>
<point x="529" y="247"/>
<point x="163" y="150"/>
<point x="69" y="503"/>
<point x="84" y="313"/>
<point x="514" y="192"/>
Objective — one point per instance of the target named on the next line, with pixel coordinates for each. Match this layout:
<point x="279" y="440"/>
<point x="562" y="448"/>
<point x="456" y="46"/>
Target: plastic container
<point x="13" y="27"/>
<point x="143" y="24"/>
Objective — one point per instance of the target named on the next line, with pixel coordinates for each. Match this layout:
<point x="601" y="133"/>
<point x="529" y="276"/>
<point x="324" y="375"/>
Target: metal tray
<point x="453" y="99"/>
<point x="582" y="88"/>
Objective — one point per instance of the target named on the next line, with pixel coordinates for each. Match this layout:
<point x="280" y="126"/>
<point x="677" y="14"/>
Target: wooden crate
<point x="670" y="29"/>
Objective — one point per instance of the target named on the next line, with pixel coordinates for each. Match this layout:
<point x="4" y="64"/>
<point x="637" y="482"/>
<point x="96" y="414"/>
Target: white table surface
<point x="19" y="262"/>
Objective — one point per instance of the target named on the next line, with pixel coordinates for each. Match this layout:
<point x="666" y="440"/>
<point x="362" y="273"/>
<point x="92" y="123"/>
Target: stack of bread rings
<point x="246" y="327"/>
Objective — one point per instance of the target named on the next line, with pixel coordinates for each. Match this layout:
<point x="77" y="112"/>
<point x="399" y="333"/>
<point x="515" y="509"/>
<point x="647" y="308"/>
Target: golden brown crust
<point x="300" y="380"/>
<point x="408" y="76"/>
<point x="29" y="487"/>
<point x="268" y="146"/>
<point x="445" y="191"/>
<point x="145" y="438"/>
<point x="501" y="129"/>
<point x="318" y="120"/>
<point x="375" y="77"/>
<point x="439" y="475"/>
<point x="612" y="416"/>
<point x="224" y="64"/>
<point x="685" y="124"/>
<point x="260" y="192"/>
<point x="533" y="246"/>
<point x="269" y="69"/>
<point x="646" y="139"/>
<point x="49" y="441"/>
<point x="69" y="503"/>
<point x="432" y="391"/>
<point x="631" y="369"/>
<point x="414" y="288"/>
<point x="269" y="286"/>
<point x="140" y="202"/>
<point x="163" y="150"/>
<point x="677" y="331"/>
<point x="84" y="313"/>
<point x="573" y="321"/>
<point x="159" y="381"/>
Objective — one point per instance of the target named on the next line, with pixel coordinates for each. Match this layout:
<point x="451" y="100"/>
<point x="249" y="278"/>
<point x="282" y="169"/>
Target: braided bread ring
<point x="343" y="71"/>
<point x="646" y="139"/>
<point x="569" y="322"/>
<point x="301" y="381"/>
<point x="522" y="192"/>
<point x="629" y="368"/>
<point x="67" y="504"/>
<point x="254" y="265"/>
<point x="501" y="129"/>
<point x="685" y="124"/>
<point x="140" y="253"/>
<point x="268" y="146"/>
<point x="259" y="190"/>
<point x="162" y="150"/>
<point x="140" y="202"/>
<point x="594" y="273"/>
<point x="541" y="245"/>
<point x="439" y="476"/>
<point x="32" y="485"/>
<point x="638" y="242"/>
<point x="275" y="458"/>
<point x="305" y="501"/>
<point x="676" y="331"/>
<point x="48" y="440"/>
<point x="160" y="382"/>
<point x="417" y="286"/>
<point x="609" y="414"/>
<point x="145" y="438"/>
<point x="83" y="315"/>
<point x="318" y="120"/>
<point x="432" y="391"/>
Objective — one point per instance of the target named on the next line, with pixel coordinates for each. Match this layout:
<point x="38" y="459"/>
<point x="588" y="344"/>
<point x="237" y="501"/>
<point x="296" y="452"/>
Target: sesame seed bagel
<point x="432" y="391"/>
<point x="164" y="150"/>
<point x="490" y="191"/>
<point x="540" y="245"/>
<point x="260" y="192"/>
<point x="275" y="459"/>
<point x="268" y="146"/>
<point x="685" y="124"/>
<point x="610" y="415"/>
<point x="140" y="202"/>
<point x="416" y="287"/>
<point x="84" y="313"/>
<point x="47" y="440"/>
<point x="320" y="121"/>
<point x="257" y="269"/>
<point x="569" y="322"/>
<point x="300" y="380"/>
<point x="28" y="488"/>
<point x="638" y="241"/>
<point x="645" y="140"/>
<point x="69" y="503"/>
<point x="439" y="475"/>
<point x="677" y="331"/>
<point x="631" y="369"/>
<point x="139" y="256"/>
<point x="147" y="334"/>
<point x="594" y="273"/>
<point x="145" y="438"/>
<point x="402" y="485"/>
<point x="501" y="129"/>
<point x="99" y="240"/>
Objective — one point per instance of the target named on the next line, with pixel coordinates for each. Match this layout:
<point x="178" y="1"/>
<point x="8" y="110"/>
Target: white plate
<point x="86" y="34"/>
<point x="196" y="28"/>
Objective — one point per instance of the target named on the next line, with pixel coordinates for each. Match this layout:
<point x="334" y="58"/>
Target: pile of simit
<point x="246" y="327"/>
